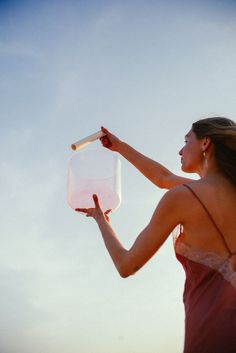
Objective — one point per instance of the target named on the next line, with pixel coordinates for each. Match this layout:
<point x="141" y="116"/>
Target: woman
<point x="206" y="246"/>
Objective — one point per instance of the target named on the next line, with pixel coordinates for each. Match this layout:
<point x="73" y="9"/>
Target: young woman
<point x="205" y="209"/>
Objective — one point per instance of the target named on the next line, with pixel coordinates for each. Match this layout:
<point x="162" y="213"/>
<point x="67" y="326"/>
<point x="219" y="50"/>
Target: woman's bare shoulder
<point x="215" y="195"/>
<point x="179" y="196"/>
<point x="182" y="190"/>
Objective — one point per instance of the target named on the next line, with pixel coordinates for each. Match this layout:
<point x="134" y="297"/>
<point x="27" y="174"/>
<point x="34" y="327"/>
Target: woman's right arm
<point x="154" y="171"/>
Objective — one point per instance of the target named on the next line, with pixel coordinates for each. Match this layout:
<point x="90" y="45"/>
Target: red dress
<point x="209" y="298"/>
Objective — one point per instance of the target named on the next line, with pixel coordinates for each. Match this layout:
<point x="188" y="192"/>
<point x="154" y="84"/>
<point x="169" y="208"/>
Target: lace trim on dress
<point x="216" y="262"/>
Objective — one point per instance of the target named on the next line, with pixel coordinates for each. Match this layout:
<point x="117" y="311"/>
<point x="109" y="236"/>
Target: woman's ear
<point x="206" y="142"/>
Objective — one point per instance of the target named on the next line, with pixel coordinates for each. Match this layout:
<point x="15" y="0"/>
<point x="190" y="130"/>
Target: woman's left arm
<point x="166" y="216"/>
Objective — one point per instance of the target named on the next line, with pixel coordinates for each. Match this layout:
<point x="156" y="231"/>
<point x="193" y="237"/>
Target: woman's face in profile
<point x="191" y="153"/>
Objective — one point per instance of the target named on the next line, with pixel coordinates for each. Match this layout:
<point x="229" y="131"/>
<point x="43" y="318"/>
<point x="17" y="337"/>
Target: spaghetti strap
<point x="212" y="220"/>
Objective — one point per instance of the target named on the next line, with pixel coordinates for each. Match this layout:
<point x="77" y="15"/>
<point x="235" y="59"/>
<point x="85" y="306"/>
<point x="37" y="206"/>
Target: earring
<point x="204" y="154"/>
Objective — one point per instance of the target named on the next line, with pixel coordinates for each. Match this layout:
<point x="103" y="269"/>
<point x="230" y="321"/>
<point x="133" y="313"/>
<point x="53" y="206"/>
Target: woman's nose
<point x="181" y="152"/>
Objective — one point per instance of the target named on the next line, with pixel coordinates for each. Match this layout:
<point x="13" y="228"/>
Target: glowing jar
<point x="94" y="171"/>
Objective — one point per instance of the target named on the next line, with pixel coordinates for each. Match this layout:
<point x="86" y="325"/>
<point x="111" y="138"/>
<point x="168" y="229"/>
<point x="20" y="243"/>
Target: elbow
<point x="127" y="265"/>
<point x="125" y="271"/>
<point x="124" y="274"/>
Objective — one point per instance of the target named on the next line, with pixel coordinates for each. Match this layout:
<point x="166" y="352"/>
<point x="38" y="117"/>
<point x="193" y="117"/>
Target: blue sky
<point x="146" y="71"/>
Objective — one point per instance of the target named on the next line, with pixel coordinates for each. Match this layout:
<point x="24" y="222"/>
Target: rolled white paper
<point x="87" y="140"/>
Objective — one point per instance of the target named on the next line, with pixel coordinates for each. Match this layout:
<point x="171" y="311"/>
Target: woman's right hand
<point x="110" y="141"/>
<point x="95" y="212"/>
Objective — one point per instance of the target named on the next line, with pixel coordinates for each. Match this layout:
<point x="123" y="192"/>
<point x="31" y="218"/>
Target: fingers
<point x="104" y="130"/>
<point x="96" y="202"/>
<point x="84" y="210"/>
<point x="94" y="212"/>
<point x="88" y="210"/>
<point x="106" y="142"/>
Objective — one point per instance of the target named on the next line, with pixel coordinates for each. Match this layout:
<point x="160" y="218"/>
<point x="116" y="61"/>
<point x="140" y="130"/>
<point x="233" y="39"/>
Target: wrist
<point x="101" y="220"/>
<point x="121" y="147"/>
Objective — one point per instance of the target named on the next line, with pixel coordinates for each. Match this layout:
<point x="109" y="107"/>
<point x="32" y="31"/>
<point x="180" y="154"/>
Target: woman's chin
<point x="185" y="169"/>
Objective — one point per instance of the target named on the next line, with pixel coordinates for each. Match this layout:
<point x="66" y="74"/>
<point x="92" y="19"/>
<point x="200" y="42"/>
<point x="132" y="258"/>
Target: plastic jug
<point x="94" y="171"/>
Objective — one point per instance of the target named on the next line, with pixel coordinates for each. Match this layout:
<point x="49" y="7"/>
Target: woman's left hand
<point x="95" y="212"/>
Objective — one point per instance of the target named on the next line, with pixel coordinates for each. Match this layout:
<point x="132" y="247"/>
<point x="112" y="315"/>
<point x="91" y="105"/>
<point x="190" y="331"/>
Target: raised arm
<point x="154" y="171"/>
<point x="166" y="216"/>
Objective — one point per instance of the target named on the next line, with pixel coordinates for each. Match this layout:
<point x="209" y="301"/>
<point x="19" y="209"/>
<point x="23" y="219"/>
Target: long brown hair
<point x="222" y="132"/>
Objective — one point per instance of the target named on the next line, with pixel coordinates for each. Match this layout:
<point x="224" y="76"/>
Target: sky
<point x="146" y="70"/>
